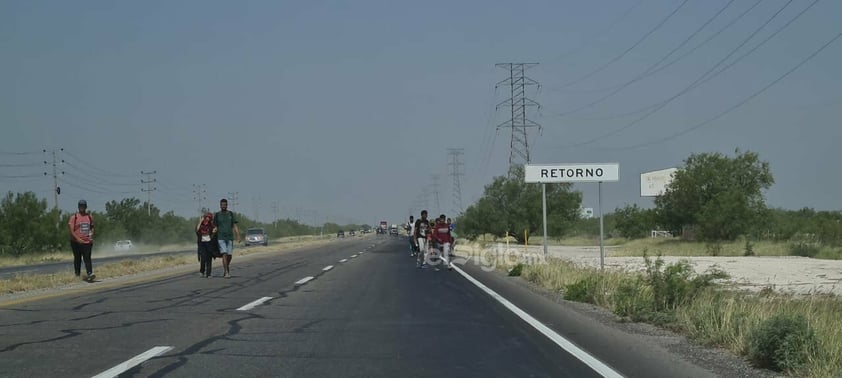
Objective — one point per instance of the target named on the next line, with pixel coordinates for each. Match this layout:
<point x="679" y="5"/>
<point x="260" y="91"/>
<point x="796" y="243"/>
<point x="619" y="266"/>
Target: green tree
<point x="27" y="226"/>
<point x="720" y="197"/>
<point x="632" y="222"/>
<point x="511" y="205"/>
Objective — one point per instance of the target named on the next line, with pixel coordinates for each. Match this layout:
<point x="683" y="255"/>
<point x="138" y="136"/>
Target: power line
<point x="706" y="76"/>
<point x="667" y="65"/>
<point x="651" y="67"/>
<point x="22" y="153"/>
<point x="91" y="166"/>
<point x="621" y="55"/>
<point x="596" y="36"/>
<point x="739" y="104"/>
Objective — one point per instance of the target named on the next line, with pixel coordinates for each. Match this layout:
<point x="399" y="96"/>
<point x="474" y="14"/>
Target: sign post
<point x="555" y="173"/>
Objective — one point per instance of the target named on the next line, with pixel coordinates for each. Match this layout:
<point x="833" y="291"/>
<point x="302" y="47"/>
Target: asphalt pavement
<point x="354" y="308"/>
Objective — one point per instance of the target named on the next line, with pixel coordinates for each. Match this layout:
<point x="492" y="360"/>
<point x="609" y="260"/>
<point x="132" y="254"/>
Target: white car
<point x="123" y="245"/>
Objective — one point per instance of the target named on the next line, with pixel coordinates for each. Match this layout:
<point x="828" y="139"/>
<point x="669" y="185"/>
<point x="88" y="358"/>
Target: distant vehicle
<point x="393" y="230"/>
<point x="256" y="236"/>
<point x="384" y="226"/>
<point x="340" y="234"/>
<point x="123" y="245"/>
<point x="351" y="233"/>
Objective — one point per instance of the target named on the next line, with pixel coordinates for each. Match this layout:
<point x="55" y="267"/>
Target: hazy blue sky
<point x="342" y="111"/>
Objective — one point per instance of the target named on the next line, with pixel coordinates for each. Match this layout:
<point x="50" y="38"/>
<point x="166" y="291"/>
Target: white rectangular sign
<point x="653" y="184"/>
<point x="548" y="173"/>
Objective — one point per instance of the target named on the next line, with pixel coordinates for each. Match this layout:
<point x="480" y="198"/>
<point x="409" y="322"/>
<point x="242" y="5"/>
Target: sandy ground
<point x="796" y="275"/>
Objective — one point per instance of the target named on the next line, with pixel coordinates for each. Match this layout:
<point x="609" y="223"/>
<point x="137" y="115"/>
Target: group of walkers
<point x="215" y="234"/>
<point x="431" y="242"/>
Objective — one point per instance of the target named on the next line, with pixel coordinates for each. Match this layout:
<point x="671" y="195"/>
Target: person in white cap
<point x="81" y="227"/>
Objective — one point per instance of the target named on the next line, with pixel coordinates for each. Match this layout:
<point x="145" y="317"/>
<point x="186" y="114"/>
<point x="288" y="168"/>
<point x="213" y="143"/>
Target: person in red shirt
<point x="81" y="227"/>
<point x="441" y="234"/>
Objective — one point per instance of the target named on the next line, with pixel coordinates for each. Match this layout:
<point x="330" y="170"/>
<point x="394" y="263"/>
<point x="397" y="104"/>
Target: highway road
<point x="353" y="308"/>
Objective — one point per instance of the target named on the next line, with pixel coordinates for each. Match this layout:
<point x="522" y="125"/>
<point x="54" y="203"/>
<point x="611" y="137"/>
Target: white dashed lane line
<point x="134" y="361"/>
<point x="343" y="260"/>
<point x="304" y="280"/>
<point x="329" y="267"/>
<point x="254" y="304"/>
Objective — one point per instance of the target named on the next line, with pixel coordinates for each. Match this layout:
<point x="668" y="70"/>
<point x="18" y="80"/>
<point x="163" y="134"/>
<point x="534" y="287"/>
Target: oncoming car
<point x="123" y="245"/>
<point x="256" y="236"/>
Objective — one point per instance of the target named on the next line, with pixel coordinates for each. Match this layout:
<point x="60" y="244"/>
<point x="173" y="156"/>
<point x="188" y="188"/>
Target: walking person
<point x="422" y="228"/>
<point x="410" y="232"/>
<point x="226" y="229"/>
<point x="204" y="231"/>
<point x="81" y="227"/>
<point x="443" y="238"/>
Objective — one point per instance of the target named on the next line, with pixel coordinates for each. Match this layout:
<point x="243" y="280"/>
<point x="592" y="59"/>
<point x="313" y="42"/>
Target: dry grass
<point x="716" y="317"/>
<point x="30" y="282"/>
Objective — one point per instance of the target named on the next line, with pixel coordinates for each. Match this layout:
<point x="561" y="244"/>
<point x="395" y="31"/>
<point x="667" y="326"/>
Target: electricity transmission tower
<point x="455" y="174"/>
<point x="518" y="102"/>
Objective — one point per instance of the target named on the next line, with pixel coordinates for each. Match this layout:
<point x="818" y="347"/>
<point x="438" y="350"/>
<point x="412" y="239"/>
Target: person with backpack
<point x="226" y="229"/>
<point x="81" y="227"/>
<point x="204" y="231"/>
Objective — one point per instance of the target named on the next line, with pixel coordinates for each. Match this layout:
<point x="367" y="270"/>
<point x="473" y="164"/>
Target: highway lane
<point x="326" y="311"/>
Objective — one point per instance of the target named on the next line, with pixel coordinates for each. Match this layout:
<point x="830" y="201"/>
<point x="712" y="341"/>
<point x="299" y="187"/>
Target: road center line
<point x="254" y="304"/>
<point x="343" y="260"/>
<point x="595" y="364"/>
<point x="134" y="361"/>
<point x="329" y="267"/>
<point x="304" y="280"/>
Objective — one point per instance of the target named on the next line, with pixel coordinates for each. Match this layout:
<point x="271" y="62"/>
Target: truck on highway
<point x="383" y="228"/>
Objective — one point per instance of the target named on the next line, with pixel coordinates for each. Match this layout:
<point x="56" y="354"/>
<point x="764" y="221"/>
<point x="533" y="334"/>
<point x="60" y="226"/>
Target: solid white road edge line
<point x="134" y="361"/>
<point x="595" y="364"/>
<point x="343" y="260"/>
<point x="304" y="280"/>
<point x="254" y="304"/>
<point x="329" y="267"/>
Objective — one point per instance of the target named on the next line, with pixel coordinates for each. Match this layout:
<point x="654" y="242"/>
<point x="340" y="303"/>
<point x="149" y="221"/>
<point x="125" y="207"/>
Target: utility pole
<point x="518" y="102"/>
<point x="455" y="174"/>
<point x="275" y="212"/>
<point x="200" y="195"/>
<point x="56" y="188"/>
<point x="436" y="191"/>
<point x="149" y="189"/>
<point x="256" y="202"/>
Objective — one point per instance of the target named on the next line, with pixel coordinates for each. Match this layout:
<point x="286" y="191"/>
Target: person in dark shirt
<point x="422" y="228"/>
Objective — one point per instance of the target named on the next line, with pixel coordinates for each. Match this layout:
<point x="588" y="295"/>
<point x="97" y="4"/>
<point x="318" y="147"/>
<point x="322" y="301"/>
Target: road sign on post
<point x="555" y="173"/>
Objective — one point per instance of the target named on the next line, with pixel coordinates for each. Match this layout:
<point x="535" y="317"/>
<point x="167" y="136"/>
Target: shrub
<point x="782" y="342"/>
<point x="804" y="245"/>
<point x="516" y="270"/>
<point x="676" y="284"/>
<point x="582" y="291"/>
<point x="632" y="299"/>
